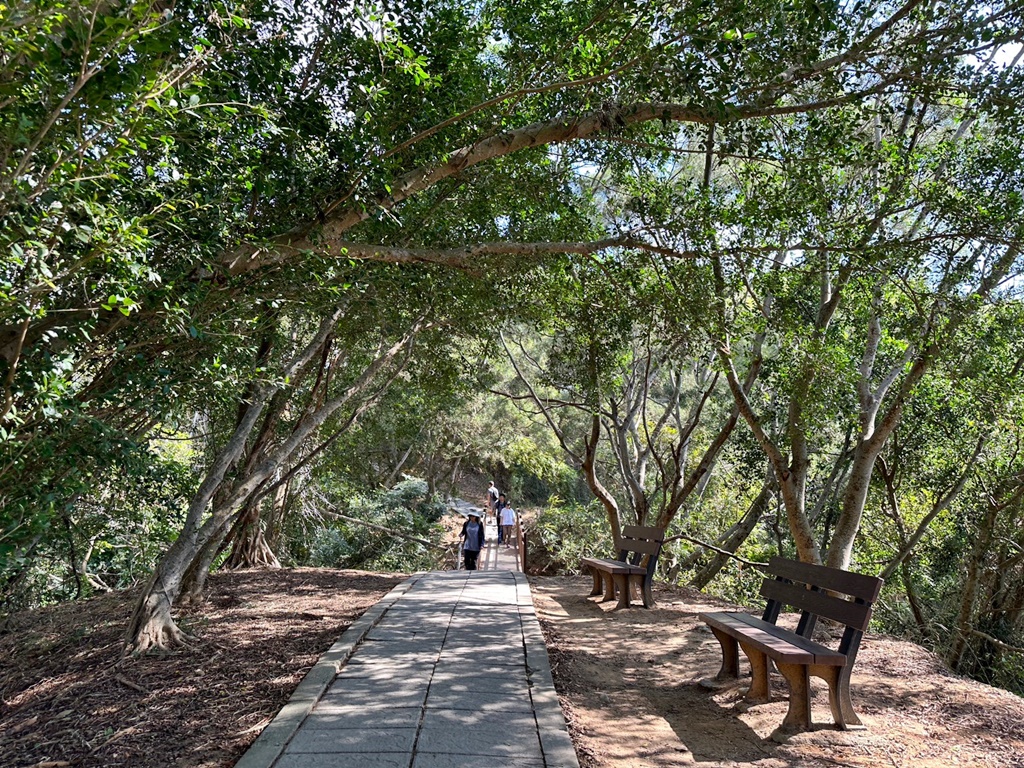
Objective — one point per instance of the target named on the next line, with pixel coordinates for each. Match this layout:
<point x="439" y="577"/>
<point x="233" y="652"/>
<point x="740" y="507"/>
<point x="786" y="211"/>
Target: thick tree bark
<point x="249" y="547"/>
<point x="280" y="506"/>
<point x="193" y="583"/>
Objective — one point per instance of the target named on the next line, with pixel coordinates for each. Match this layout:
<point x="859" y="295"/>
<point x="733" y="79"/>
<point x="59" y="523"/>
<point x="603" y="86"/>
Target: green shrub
<point x="565" y="533"/>
<point x="407" y="508"/>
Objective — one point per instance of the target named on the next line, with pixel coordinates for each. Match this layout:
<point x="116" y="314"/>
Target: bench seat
<point x="776" y="642"/>
<point x="612" y="566"/>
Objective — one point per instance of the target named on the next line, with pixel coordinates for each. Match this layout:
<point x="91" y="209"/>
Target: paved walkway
<point x="449" y="670"/>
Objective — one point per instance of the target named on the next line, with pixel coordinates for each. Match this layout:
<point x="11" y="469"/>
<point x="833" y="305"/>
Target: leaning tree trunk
<point x="700" y="474"/>
<point x="589" y="468"/>
<point x="193" y="583"/>
<point x="972" y="586"/>
<point x="732" y="539"/>
<point x="152" y="625"/>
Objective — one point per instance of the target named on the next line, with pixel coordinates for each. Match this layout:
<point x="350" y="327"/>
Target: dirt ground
<point x="66" y="698"/>
<point x="629" y="682"/>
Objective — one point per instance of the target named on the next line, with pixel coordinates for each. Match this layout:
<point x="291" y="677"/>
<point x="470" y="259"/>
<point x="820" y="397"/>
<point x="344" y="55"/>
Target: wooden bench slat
<point x="643" y="547"/>
<point x="778" y="648"/>
<point x="747" y="626"/>
<point x="820" y="604"/>
<point x="612" y="566"/>
<point x="854" y="584"/>
<point x="643" y="532"/>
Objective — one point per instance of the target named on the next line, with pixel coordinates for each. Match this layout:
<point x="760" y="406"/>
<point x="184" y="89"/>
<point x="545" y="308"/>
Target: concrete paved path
<point x="449" y="670"/>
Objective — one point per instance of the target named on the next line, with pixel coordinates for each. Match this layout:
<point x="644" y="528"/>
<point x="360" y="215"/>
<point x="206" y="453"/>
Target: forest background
<point x="277" y="273"/>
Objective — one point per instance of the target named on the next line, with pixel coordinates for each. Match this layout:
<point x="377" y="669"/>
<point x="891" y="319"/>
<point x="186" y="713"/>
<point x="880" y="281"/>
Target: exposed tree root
<point x="152" y="629"/>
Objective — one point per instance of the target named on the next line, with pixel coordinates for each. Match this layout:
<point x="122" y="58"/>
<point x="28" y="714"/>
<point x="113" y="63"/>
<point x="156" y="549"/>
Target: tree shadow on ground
<point x="629" y="682"/>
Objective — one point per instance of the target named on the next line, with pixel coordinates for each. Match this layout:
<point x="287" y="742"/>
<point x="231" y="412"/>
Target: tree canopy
<point x="264" y="253"/>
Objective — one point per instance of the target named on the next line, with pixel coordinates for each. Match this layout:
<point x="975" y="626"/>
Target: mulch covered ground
<point x="629" y="682"/>
<point x="67" y="698"/>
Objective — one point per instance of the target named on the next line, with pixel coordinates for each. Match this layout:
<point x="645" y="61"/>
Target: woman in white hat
<point x="473" y="539"/>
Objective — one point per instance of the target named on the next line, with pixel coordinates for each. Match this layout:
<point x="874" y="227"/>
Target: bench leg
<point x="621" y="581"/>
<point x="838" y="679"/>
<point x="597" y="582"/>
<point x="640" y="591"/>
<point x="636" y="587"/>
<point x="647" y="592"/>
<point x="730" y="656"/>
<point x="759" y="692"/>
<point x="798" y="718"/>
<point x="609" y="587"/>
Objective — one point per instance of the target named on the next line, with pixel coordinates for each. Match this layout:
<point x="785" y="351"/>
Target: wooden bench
<point x="814" y="590"/>
<point x="629" y="570"/>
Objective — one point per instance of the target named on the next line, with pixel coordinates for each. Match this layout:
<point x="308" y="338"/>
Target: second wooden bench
<point x="806" y="587"/>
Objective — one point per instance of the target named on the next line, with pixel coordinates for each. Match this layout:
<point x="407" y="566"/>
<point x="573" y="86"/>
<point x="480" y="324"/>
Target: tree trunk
<point x="873" y="438"/>
<point x="193" y="583"/>
<point x="915" y="605"/>
<point x="972" y="586"/>
<point x="392" y="478"/>
<point x="275" y="523"/>
<point x="790" y="474"/>
<point x="249" y="547"/>
<point x="732" y="539"/>
<point x="152" y="625"/>
<point x="589" y="468"/>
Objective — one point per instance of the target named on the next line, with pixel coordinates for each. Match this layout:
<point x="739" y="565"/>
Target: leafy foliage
<point x="407" y="508"/>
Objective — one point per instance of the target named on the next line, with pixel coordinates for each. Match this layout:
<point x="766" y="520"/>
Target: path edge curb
<point x="555" y="743"/>
<point x="269" y="745"/>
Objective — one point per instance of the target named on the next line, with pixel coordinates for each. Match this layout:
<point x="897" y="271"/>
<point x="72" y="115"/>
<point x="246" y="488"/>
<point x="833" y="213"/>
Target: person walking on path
<point x="502" y="503"/>
<point x="472" y="540"/>
<point x="492" y="498"/>
<point x="508" y="522"/>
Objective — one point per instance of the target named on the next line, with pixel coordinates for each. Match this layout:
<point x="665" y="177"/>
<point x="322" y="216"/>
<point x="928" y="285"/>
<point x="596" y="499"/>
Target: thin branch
<point x="713" y="548"/>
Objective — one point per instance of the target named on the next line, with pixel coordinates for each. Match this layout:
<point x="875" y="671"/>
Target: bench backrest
<point x="639" y="540"/>
<point x="816" y="591"/>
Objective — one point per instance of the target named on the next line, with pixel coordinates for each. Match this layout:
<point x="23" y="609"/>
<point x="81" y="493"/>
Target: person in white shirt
<point x="508" y="522"/>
